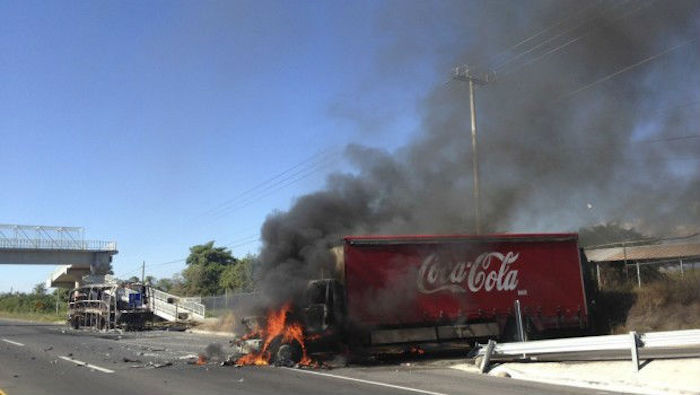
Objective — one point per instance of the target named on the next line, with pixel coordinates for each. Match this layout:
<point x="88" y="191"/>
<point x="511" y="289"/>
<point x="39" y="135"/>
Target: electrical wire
<point x="624" y="69"/>
<point x="568" y="43"/>
<point x="313" y="162"/>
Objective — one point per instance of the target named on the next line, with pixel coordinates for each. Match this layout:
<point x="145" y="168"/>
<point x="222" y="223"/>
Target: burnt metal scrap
<point x="103" y="303"/>
<point x="107" y="304"/>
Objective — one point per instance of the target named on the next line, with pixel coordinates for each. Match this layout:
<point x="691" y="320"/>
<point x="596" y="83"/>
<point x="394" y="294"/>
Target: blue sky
<point x="165" y="124"/>
<point x="136" y="120"/>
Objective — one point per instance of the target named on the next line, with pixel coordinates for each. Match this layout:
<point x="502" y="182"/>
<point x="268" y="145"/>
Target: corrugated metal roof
<point x="645" y="252"/>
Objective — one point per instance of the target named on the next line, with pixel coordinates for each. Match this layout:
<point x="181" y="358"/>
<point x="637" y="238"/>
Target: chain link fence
<point x="228" y="302"/>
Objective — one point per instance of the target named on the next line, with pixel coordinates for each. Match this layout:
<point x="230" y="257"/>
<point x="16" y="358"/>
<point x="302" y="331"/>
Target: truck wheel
<point x="74" y="323"/>
<point x="285" y="354"/>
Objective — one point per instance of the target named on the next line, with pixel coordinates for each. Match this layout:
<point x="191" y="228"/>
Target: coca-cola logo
<point x="489" y="271"/>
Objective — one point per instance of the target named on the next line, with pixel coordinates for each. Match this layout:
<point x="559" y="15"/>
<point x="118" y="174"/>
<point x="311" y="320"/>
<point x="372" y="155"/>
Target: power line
<point x="253" y="188"/>
<point x="503" y="64"/>
<point x="301" y="170"/>
<point x="308" y="163"/>
<point x="625" y="69"/>
<point x="541" y="32"/>
<point x="571" y="41"/>
<point x="249" y="237"/>
<point x="169" y="262"/>
<point x="270" y="189"/>
<point x="561" y="34"/>
<point x="245" y="243"/>
<point x="666" y="139"/>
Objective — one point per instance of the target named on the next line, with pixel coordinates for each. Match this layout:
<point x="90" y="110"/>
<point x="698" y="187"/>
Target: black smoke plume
<point x="591" y="120"/>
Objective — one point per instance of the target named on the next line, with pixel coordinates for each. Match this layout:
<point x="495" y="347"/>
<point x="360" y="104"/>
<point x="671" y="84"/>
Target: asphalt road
<point x="52" y="359"/>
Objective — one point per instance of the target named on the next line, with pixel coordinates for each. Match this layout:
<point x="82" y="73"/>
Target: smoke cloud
<point x="571" y="132"/>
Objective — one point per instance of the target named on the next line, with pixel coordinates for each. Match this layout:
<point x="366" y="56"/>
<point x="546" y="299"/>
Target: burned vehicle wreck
<point x="409" y="292"/>
<point x="107" y="304"/>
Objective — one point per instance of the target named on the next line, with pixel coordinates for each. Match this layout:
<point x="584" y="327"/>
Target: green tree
<point x="174" y="285"/>
<point x="205" y="265"/>
<point x="164" y="284"/>
<point x="39" y="289"/>
<point x="239" y="277"/>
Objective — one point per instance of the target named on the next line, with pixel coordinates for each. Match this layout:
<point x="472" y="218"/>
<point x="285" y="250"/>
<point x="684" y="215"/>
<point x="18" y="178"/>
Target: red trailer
<point x="412" y="289"/>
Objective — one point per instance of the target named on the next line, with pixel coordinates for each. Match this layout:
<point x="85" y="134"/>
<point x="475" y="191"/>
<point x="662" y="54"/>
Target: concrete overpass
<point x="61" y="246"/>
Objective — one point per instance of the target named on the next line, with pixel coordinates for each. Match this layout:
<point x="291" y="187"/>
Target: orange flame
<point x="201" y="360"/>
<point x="277" y="326"/>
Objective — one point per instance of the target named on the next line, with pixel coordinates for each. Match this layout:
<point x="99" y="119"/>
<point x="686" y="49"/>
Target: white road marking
<point x="368" y="382"/>
<point x="75" y="361"/>
<point x="11" y="342"/>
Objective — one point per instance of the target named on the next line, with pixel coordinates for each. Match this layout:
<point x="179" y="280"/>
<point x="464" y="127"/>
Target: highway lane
<point x="41" y="359"/>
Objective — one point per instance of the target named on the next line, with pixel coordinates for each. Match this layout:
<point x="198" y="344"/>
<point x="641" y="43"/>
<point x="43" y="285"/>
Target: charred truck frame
<point x="392" y="290"/>
<point x="109" y="305"/>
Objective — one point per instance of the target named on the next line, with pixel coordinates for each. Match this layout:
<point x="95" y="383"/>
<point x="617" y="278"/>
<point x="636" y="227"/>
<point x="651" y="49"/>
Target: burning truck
<point x="417" y="291"/>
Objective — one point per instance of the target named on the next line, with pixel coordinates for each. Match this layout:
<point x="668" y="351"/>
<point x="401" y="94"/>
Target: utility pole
<point x="143" y="272"/>
<point x="467" y="74"/>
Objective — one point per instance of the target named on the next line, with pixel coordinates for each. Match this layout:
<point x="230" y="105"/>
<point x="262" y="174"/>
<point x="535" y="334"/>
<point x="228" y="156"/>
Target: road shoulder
<point x="675" y="376"/>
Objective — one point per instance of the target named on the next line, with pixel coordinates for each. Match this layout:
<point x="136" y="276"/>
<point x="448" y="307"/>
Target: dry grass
<point x="225" y="323"/>
<point x="671" y="303"/>
<point x="36" y="317"/>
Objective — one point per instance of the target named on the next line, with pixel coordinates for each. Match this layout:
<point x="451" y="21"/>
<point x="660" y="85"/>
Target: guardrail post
<point x="487" y="356"/>
<point x="634" y="350"/>
<point x="519" y="321"/>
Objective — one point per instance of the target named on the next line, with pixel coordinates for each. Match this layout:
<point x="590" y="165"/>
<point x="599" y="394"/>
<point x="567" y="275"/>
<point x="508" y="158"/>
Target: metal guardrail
<point x="47" y="244"/>
<point x="631" y="341"/>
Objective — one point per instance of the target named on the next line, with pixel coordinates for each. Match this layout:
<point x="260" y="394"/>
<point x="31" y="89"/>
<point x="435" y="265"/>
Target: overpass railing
<point x="48" y="244"/>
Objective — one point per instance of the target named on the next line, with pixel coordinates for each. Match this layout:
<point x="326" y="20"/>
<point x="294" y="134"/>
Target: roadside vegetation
<point x="670" y="302"/>
<point x="210" y="271"/>
<point x="667" y="300"/>
<point x="35" y="306"/>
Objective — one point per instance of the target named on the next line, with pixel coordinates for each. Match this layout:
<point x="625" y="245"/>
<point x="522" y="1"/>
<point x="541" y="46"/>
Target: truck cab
<point x="324" y="306"/>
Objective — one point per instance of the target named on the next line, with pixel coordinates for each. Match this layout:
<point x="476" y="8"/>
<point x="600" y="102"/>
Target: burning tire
<point x="285" y="353"/>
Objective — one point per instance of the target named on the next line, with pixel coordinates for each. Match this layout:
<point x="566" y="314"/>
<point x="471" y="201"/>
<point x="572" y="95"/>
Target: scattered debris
<point x="49" y="348"/>
<point x="127" y="360"/>
<point x="154" y="365"/>
<point x="214" y="351"/>
<point x="247" y="346"/>
<point x="230" y="361"/>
